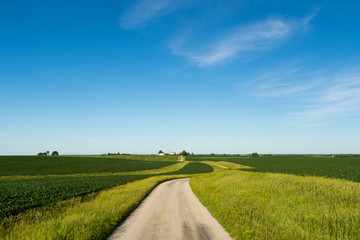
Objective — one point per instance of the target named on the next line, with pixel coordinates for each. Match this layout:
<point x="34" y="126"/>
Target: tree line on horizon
<point x="54" y="153"/>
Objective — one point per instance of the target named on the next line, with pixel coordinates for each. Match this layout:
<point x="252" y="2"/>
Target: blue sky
<point x="91" y="77"/>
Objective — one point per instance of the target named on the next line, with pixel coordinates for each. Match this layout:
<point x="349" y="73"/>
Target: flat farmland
<point x="266" y="197"/>
<point x="39" y="186"/>
<point x="323" y="166"/>
<point x="48" y="165"/>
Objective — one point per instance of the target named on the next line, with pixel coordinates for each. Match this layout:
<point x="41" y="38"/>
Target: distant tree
<point x="255" y="155"/>
<point x="110" y="154"/>
<point x="160" y="151"/>
<point x="212" y="154"/>
<point x="47" y="152"/>
<point x="42" y="154"/>
<point x="55" y="153"/>
<point x="184" y="153"/>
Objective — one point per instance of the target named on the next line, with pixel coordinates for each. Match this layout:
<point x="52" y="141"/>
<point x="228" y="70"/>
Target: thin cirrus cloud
<point x="340" y="99"/>
<point x="318" y="99"/>
<point x="242" y="40"/>
<point x="144" y="11"/>
<point x="260" y="36"/>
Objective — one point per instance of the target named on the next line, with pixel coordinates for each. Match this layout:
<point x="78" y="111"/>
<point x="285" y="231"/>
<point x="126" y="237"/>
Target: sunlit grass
<point x="254" y="205"/>
<point x="94" y="215"/>
<point x="229" y="165"/>
<point x="93" y="218"/>
<point x="17" y="196"/>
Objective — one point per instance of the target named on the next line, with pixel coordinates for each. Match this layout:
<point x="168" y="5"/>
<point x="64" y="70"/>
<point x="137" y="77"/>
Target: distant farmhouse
<point x="161" y="153"/>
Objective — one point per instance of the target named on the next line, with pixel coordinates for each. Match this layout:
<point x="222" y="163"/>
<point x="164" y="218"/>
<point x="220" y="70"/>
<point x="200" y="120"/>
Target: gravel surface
<point x="171" y="211"/>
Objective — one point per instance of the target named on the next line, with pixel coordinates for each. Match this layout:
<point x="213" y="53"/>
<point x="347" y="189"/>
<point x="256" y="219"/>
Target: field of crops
<point x="20" y="194"/>
<point x="47" y="165"/>
<point x="267" y="197"/>
<point x="324" y="166"/>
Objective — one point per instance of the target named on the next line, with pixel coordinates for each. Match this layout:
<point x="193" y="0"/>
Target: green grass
<point x="76" y="218"/>
<point x="20" y="193"/>
<point x="283" y="197"/>
<point x="193" y="168"/>
<point x="35" y="208"/>
<point x="342" y="168"/>
<point x="254" y="205"/>
<point x="25" y="182"/>
<point x="279" y="197"/>
<point x="52" y="165"/>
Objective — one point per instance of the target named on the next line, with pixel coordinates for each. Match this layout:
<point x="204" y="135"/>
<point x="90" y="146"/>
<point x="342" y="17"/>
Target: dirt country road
<point x="171" y="211"/>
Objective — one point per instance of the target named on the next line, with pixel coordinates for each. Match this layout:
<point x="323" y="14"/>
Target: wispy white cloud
<point x="318" y="99"/>
<point x="339" y="100"/>
<point x="258" y="36"/>
<point x="290" y="83"/>
<point x="144" y="11"/>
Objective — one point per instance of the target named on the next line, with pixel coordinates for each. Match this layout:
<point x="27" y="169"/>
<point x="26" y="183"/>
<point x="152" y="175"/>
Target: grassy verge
<point x="229" y="165"/>
<point x="254" y="205"/>
<point x="19" y="194"/>
<point x="93" y="218"/>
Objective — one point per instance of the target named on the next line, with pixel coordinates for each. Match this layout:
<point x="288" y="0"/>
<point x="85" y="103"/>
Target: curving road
<point x="171" y="211"/>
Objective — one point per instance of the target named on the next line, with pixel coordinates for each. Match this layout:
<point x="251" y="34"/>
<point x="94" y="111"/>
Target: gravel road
<point x="171" y="211"/>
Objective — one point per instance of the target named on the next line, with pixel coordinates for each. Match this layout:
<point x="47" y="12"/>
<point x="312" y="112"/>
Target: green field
<point x="283" y="197"/>
<point x="94" y="217"/>
<point x="47" y="165"/>
<point x="19" y="193"/>
<point x="323" y="166"/>
<point x="267" y="197"/>
<point x="41" y="186"/>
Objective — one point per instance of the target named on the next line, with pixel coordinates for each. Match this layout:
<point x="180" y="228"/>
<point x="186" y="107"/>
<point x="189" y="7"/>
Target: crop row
<point x="322" y="166"/>
<point x="49" y="165"/>
<point x="19" y="195"/>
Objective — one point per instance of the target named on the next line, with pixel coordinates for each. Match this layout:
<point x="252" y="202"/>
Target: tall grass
<point x="253" y="205"/>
